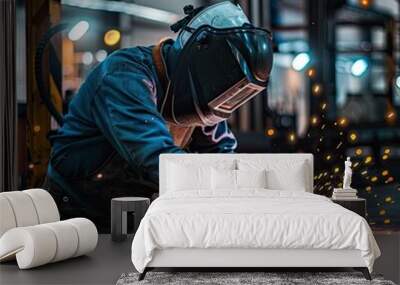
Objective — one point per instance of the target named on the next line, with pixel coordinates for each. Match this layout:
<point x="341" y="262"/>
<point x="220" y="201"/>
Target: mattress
<point x="251" y="219"/>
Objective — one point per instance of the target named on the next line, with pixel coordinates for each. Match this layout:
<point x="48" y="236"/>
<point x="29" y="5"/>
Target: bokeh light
<point x="359" y="151"/>
<point x="101" y="55"/>
<point x="353" y="136"/>
<point x="292" y="137"/>
<point x="314" y="120"/>
<point x="365" y="3"/>
<point x="87" y="58"/>
<point x="316" y="89"/>
<point x="300" y="61"/>
<point x="112" y="37"/>
<point x="368" y="159"/>
<point x="398" y="81"/>
<point x="342" y="121"/>
<point x="390" y="116"/>
<point x="312" y="72"/>
<point x="78" y="31"/>
<point x="270" y="132"/>
<point x="359" y="67"/>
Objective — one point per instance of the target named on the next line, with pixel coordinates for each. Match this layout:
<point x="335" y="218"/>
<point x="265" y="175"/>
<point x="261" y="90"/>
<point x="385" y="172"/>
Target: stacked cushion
<point x="26" y="208"/>
<point x="31" y="231"/>
<point x="41" y="244"/>
<point x="7" y="218"/>
<point x="44" y="204"/>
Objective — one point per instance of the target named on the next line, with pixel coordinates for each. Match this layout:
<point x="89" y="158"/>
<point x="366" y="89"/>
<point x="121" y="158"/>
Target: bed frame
<point x="249" y="259"/>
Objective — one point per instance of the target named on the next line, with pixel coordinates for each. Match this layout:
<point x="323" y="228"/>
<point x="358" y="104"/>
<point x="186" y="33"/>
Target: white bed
<point x="248" y="226"/>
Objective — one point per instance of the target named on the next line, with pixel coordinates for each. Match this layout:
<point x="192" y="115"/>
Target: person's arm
<point x="125" y="112"/>
<point x="213" y="139"/>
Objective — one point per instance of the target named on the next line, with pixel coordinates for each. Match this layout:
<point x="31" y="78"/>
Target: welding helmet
<point x="223" y="62"/>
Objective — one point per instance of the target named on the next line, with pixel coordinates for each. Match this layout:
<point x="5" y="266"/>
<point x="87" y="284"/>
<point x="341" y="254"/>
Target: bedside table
<point x="357" y="205"/>
<point x="119" y="209"/>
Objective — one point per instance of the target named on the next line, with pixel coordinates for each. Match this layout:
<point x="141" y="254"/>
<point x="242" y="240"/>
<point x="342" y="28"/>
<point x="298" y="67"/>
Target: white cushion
<point x="23" y="208"/>
<point x="280" y="175"/>
<point x="7" y="218"/>
<point x="211" y="159"/>
<point x="188" y="174"/>
<point x="87" y="233"/>
<point x="227" y="179"/>
<point x="45" y="206"/>
<point x="293" y="180"/>
<point x="40" y="244"/>
<point x="34" y="244"/>
<point x="251" y="178"/>
<point x="67" y="239"/>
<point x="183" y="177"/>
<point x="224" y="179"/>
<point x="196" y="160"/>
<point x="26" y="208"/>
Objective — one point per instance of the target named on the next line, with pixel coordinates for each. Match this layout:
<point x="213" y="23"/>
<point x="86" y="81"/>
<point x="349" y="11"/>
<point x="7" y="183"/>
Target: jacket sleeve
<point x="125" y="111"/>
<point x="213" y="139"/>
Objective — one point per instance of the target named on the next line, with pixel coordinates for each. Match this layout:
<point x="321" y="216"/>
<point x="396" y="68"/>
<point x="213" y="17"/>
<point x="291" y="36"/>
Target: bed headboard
<point x="211" y="157"/>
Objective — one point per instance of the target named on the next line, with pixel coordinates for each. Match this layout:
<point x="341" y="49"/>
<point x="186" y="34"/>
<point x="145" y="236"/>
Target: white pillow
<point x="227" y="179"/>
<point x="223" y="179"/>
<point x="280" y="174"/>
<point x="193" y="162"/>
<point x="182" y="177"/>
<point x="251" y="178"/>
<point x="293" y="180"/>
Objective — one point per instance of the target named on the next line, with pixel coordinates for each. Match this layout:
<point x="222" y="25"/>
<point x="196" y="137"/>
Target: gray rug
<point x="243" y="278"/>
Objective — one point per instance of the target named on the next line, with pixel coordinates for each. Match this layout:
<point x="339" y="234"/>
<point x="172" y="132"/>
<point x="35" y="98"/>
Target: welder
<point x="140" y="102"/>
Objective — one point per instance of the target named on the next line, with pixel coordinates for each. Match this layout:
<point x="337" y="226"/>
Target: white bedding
<point x="251" y="218"/>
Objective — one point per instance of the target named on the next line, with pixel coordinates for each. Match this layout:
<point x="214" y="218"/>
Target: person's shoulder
<point x="134" y="59"/>
<point x="136" y="55"/>
<point x="126" y="68"/>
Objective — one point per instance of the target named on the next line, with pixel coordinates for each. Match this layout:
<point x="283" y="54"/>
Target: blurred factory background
<point x="334" y="90"/>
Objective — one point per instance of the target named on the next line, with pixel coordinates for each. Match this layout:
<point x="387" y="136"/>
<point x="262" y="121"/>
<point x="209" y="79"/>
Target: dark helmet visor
<point x="217" y="72"/>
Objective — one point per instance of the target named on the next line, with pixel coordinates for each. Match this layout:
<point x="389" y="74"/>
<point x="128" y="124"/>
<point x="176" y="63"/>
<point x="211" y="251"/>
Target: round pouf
<point x="119" y="209"/>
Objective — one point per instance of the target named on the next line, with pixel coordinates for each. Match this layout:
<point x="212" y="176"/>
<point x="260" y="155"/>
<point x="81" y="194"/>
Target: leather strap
<point x="180" y="135"/>
<point x="160" y="64"/>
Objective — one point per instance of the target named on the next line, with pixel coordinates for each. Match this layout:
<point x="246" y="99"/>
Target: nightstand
<point x="119" y="209"/>
<point x="357" y="205"/>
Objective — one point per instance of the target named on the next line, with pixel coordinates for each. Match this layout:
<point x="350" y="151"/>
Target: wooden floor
<point x="106" y="264"/>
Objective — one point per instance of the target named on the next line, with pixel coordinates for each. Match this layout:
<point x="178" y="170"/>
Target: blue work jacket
<point x="115" y="111"/>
